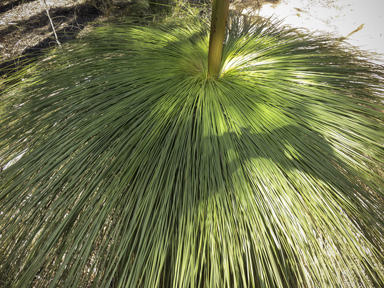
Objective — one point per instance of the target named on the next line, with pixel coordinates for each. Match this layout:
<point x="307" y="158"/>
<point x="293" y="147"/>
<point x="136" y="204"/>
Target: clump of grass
<point x="140" y="172"/>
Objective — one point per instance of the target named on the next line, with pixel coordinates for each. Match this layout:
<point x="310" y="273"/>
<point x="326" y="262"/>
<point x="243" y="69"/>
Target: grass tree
<point x="144" y="164"/>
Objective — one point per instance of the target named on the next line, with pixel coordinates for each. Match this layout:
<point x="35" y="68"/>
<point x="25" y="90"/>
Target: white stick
<point x="53" y="27"/>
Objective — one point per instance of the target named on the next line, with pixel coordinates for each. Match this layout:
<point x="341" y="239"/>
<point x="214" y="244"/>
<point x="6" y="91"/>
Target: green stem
<point x="220" y="10"/>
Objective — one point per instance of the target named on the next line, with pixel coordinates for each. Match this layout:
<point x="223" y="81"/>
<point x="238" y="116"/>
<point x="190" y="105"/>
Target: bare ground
<point x="25" y="29"/>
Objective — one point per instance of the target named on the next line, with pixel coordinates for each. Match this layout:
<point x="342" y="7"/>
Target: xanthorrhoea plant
<point x="139" y="170"/>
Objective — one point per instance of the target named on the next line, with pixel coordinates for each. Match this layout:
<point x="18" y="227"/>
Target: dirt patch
<point x="25" y="29"/>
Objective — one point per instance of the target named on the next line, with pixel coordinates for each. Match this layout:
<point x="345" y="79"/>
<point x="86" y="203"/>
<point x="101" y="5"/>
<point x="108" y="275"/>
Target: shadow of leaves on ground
<point x="8" y="5"/>
<point x="69" y="21"/>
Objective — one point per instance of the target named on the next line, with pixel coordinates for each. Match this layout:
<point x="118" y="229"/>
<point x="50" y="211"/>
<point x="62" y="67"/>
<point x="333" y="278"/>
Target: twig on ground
<point x="53" y="27"/>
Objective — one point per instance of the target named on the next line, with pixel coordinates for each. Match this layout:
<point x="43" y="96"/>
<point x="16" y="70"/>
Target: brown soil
<point x="25" y="29"/>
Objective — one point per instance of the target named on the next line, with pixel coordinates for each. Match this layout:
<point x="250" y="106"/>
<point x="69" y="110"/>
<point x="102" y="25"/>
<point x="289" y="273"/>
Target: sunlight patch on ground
<point x="361" y="22"/>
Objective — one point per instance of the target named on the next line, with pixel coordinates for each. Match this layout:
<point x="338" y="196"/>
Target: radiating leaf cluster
<point x="137" y="171"/>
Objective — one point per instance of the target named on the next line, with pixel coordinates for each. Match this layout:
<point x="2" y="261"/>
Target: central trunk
<point x="220" y="10"/>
